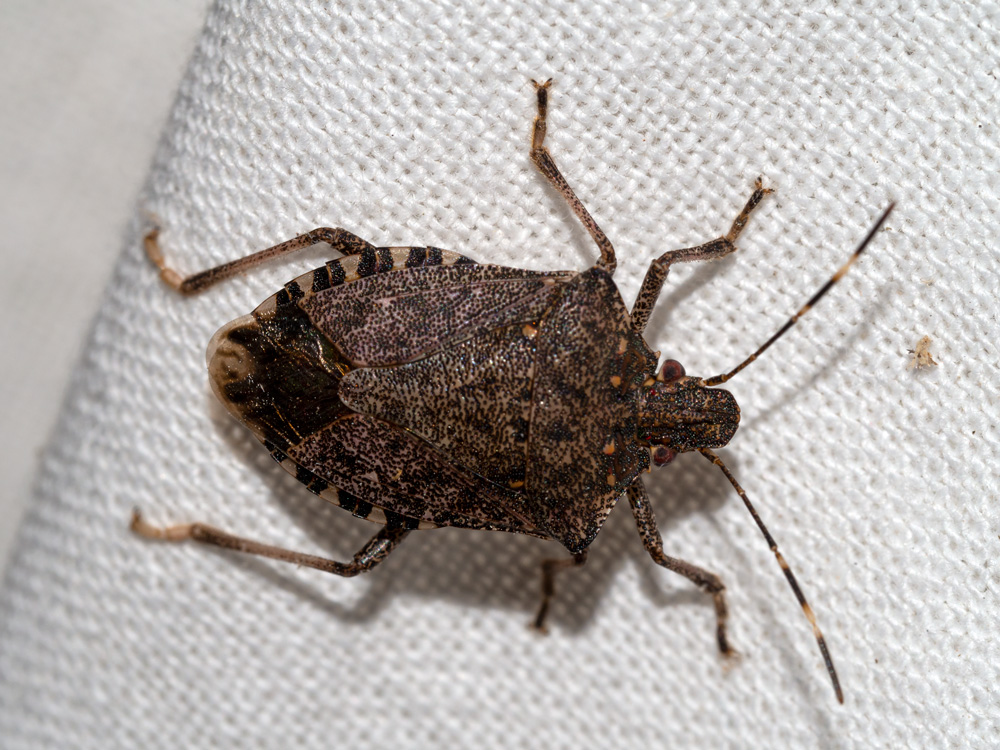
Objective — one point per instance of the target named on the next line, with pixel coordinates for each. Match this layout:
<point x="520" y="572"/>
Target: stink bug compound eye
<point x="417" y="388"/>
<point x="662" y="455"/>
<point x="670" y="371"/>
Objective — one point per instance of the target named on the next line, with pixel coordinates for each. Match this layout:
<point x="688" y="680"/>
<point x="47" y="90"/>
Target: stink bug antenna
<point x="841" y="272"/>
<point x="820" y="640"/>
<point x="719" y="379"/>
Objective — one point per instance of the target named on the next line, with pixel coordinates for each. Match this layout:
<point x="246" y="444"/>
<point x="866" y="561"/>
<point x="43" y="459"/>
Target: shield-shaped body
<point x="417" y="388"/>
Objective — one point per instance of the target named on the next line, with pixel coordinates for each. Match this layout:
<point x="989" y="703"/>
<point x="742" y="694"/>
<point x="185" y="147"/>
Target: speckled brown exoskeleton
<point x="417" y="388"/>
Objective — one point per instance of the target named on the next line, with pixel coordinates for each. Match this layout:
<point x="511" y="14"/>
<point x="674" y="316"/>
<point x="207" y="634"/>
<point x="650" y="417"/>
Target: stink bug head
<point x="684" y="415"/>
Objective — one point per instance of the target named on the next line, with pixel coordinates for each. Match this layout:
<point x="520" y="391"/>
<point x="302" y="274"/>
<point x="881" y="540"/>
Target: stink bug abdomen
<point x="416" y="388"/>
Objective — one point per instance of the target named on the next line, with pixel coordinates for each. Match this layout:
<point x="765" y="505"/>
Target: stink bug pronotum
<point x="417" y="388"/>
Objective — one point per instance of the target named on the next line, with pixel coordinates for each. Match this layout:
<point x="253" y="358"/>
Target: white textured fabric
<point x="408" y="124"/>
<point x="85" y="87"/>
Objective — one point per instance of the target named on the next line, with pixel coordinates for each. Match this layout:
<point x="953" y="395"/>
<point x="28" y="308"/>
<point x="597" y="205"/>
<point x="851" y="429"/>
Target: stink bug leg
<point x="719" y="248"/>
<point x="339" y="239"/>
<point x="549" y="570"/>
<point x="374" y="552"/>
<point x="543" y="160"/>
<point x="645" y="522"/>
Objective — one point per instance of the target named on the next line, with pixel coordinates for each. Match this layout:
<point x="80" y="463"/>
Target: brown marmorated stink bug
<point x="417" y="388"/>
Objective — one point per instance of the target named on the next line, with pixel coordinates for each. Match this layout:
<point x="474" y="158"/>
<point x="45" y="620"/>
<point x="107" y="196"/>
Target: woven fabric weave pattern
<point x="408" y="124"/>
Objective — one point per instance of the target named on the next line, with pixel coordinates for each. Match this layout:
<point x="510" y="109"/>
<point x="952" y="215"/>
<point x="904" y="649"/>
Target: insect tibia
<point x="683" y="415"/>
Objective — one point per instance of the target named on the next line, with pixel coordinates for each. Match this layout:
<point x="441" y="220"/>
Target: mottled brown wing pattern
<point x="440" y="399"/>
<point x="390" y="468"/>
<point x="280" y="371"/>
<point x="389" y="320"/>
